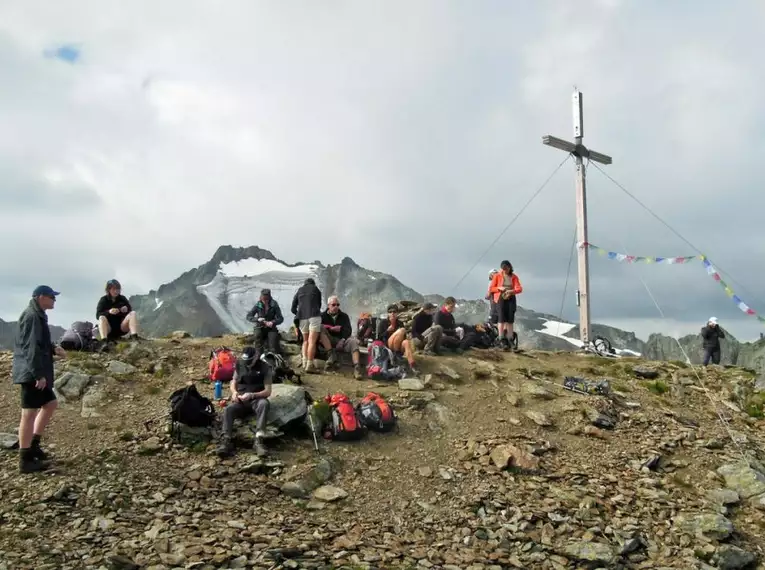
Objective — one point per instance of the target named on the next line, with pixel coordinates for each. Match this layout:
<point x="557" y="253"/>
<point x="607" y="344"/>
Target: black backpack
<point x="282" y="370"/>
<point x="190" y="408"/>
<point x="79" y="336"/>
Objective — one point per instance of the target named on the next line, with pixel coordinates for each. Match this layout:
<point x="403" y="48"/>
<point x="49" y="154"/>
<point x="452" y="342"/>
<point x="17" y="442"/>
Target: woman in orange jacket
<point x="504" y="288"/>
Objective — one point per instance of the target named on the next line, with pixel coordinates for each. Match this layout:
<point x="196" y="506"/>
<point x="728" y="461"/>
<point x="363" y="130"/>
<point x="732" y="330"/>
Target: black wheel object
<point x="602" y="345"/>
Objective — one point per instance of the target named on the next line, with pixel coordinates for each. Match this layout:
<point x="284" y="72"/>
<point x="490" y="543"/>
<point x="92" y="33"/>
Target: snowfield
<point x="558" y="330"/>
<point x="236" y="288"/>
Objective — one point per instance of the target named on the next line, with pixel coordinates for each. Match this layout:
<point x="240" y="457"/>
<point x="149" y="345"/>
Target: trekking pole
<point x="313" y="430"/>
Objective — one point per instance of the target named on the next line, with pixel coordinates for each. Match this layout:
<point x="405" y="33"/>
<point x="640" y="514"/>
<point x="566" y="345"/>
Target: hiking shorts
<point x="33" y="398"/>
<point x="310" y="325"/>
<point x="506" y="310"/>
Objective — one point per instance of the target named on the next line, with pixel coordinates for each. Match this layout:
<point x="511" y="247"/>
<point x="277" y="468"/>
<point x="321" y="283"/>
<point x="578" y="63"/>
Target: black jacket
<point x="421" y="322"/>
<point x="273" y="313"/>
<point x="252" y="377"/>
<point x="340" y="318"/>
<point x="33" y="349"/>
<point x="307" y="302"/>
<point x="382" y="328"/>
<point x="446" y="321"/>
<point x="712" y="336"/>
<point x="106" y="303"/>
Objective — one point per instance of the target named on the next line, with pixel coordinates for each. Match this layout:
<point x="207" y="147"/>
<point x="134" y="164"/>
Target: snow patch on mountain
<point x="236" y="288"/>
<point x="558" y="330"/>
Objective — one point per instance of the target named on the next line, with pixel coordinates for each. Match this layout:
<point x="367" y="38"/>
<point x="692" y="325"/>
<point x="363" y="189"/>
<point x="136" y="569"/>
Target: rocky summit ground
<point x="494" y="466"/>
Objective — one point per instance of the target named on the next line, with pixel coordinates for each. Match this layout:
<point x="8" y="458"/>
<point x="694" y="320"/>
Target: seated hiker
<point x="474" y="336"/>
<point x="445" y="319"/>
<point x="266" y="315"/>
<point x="393" y="334"/>
<point x="366" y="329"/>
<point x="425" y="335"/>
<point x="250" y="390"/>
<point x="505" y="287"/>
<point x="338" y="331"/>
<point x="116" y="317"/>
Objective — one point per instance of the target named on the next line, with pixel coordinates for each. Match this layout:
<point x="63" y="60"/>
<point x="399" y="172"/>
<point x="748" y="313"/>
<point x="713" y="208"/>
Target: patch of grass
<point x="621" y="386"/>
<point x="754" y="411"/>
<point x="658" y="387"/>
<point x="592" y="371"/>
<point x="153" y="389"/>
<point x="91" y="425"/>
<point x="679" y="363"/>
<point x="121" y="347"/>
<point x="160" y="373"/>
<point x="127" y="436"/>
<point x="92" y="367"/>
<point x="198" y="447"/>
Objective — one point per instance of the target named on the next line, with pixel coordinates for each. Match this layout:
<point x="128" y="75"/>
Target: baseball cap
<point x="713" y="320"/>
<point x="265" y="292"/>
<point x="249" y="352"/>
<point x="428" y="306"/>
<point x="44" y="291"/>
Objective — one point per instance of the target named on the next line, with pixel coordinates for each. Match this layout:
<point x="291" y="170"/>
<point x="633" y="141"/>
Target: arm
<point x="705" y="332"/>
<point x="347" y="330"/>
<point x="127" y="304"/>
<point x="232" y="386"/>
<point x="517" y="287"/>
<point x="30" y="331"/>
<point x="496" y="284"/>
<point x="720" y="332"/>
<point x="252" y="316"/>
<point x="278" y="317"/>
<point x="295" y="303"/>
<point x="101" y="309"/>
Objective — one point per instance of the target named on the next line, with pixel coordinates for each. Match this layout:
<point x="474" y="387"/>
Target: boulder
<point x="710" y="525"/>
<point x="92" y="400"/>
<point x="9" y="441"/>
<point x="288" y="404"/>
<point x="71" y="385"/>
<point x="509" y="455"/>
<point x="329" y="494"/>
<point x="120" y="368"/>
<point x="588" y="551"/>
<point x="743" y="479"/>
<point x="411" y="384"/>
<point x="729" y="557"/>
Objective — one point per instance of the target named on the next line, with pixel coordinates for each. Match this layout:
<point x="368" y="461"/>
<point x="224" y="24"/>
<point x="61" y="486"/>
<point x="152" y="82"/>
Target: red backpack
<point x="376" y="413"/>
<point x="345" y="424"/>
<point x="381" y="363"/>
<point x="222" y="364"/>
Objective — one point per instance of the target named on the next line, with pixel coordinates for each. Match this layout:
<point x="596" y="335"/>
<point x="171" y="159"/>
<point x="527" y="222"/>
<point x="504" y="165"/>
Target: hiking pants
<point x="242" y="410"/>
<point x="712" y="354"/>
<point x="267" y="337"/>
<point x="469" y="341"/>
<point x="432" y="337"/>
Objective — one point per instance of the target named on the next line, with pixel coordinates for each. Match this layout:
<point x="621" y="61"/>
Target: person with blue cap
<point x="33" y="353"/>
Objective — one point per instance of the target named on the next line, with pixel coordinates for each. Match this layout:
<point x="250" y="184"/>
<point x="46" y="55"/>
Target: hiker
<point x="306" y="306"/>
<point x="425" y="335"/>
<point x="445" y="319"/>
<point x="712" y="333"/>
<point x="33" y="370"/>
<point x="266" y="315"/>
<point x="338" y="332"/>
<point x="505" y="287"/>
<point x="474" y="336"/>
<point x="493" y="316"/>
<point x="116" y="317"/>
<point x="393" y="334"/>
<point x="366" y="329"/>
<point x="250" y="390"/>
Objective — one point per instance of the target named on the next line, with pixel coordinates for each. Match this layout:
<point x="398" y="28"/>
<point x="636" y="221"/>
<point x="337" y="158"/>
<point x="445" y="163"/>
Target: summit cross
<point x="580" y="152"/>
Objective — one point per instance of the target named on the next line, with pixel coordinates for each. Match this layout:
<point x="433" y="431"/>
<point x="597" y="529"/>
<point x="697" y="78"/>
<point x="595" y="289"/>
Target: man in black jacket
<point x="426" y="336"/>
<point x="266" y="315"/>
<point x="306" y="306"/>
<point x="33" y="370"/>
<point x="116" y="317"/>
<point x="712" y="333"/>
<point x="445" y="319"/>
<point x="250" y="390"/>
<point x="338" y="331"/>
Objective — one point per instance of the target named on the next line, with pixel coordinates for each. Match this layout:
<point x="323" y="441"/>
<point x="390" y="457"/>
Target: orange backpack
<point x="222" y="364"/>
<point x="345" y="424"/>
<point x="376" y="413"/>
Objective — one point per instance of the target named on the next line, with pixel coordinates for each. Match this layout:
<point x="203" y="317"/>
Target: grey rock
<point x="740" y="477"/>
<point x="92" y="400"/>
<point x="9" y="441"/>
<point x="329" y="494"/>
<point x="723" y="496"/>
<point x="759" y="384"/>
<point x="411" y="384"/>
<point x="317" y="476"/>
<point x="287" y="404"/>
<point x="71" y="385"/>
<point x="120" y="368"/>
<point x="539" y="418"/>
<point x="645" y="372"/>
<point x="591" y="552"/>
<point x="448" y="372"/>
<point x="710" y="525"/>
<point x="538" y="391"/>
<point x="730" y="557"/>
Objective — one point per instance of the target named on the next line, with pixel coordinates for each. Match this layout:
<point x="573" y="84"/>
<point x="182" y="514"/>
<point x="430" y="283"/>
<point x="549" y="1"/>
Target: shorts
<point x="506" y="310"/>
<point x="310" y="325"/>
<point x="34" y="399"/>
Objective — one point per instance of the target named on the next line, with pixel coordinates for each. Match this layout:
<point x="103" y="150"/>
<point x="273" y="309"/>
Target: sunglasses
<point x="334" y="304"/>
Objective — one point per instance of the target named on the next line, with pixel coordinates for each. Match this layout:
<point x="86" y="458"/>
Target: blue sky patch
<point x="67" y="53"/>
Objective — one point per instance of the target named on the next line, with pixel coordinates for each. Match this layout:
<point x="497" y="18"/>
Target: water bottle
<point x="218" y="390"/>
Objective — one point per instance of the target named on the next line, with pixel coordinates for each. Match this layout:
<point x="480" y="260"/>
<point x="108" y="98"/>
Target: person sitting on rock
<point x="712" y="333"/>
<point x="366" y="329"/>
<point x="393" y="334"/>
<point x="250" y="390"/>
<point x="116" y="317"/>
<point x="266" y="315"/>
<point x="505" y="287"/>
<point x="445" y="319"/>
<point x="425" y="335"/>
<point x="338" y="331"/>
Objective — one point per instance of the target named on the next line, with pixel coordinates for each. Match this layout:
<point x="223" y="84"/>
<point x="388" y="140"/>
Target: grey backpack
<point x="79" y="336"/>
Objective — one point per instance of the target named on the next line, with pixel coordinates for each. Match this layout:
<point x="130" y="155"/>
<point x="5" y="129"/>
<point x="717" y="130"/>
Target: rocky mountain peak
<point x="229" y="253"/>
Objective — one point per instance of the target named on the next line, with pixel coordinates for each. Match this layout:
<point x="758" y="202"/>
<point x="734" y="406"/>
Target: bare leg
<point x="43" y="418"/>
<point x="130" y="323"/>
<point x="27" y="427"/>
<point x="313" y="339"/>
<point x="407" y="346"/>
<point x="396" y="340"/>
<point x="103" y="327"/>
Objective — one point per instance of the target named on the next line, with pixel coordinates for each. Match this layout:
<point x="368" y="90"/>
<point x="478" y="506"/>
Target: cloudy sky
<point x="137" y="137"/>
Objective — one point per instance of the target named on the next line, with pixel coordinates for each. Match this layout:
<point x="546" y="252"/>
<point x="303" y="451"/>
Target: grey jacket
<point x="33" y="349"/>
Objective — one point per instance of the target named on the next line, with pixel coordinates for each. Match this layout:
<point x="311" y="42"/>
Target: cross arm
<point x="578" y="149"/>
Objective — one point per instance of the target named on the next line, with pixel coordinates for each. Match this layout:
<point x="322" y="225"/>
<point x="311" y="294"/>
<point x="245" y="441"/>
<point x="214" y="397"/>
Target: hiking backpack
<point x="381" y="363"/>
<point x="189" y="407"/>
<point x="344" y="423"/>
<point x="282" y="370"/>
<point x="376" y="413"/>
<point x="78" y="337"/>
<point x="222" y="364"/>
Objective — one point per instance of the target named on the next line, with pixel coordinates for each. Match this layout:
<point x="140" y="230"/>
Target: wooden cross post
<point x="580" y="152"/>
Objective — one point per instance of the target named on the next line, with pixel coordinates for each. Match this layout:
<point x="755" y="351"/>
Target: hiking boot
<point x="225" y="448"/>
<point x="36" y="451"/>
<point x="134" y="337"/>
<point x="28" y="463"/>
<point x="259" y="448"/>
<point x="310" y="367"/>
<point x="357" y="372"/>
<point x="331" y="359"/>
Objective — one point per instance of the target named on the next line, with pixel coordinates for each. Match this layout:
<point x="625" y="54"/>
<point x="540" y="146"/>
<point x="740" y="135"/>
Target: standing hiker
<point x="505" y="287"/>
<point x="712" y="333"/>
<point x="33" y="370"/>
<point x="306" y="306"/>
